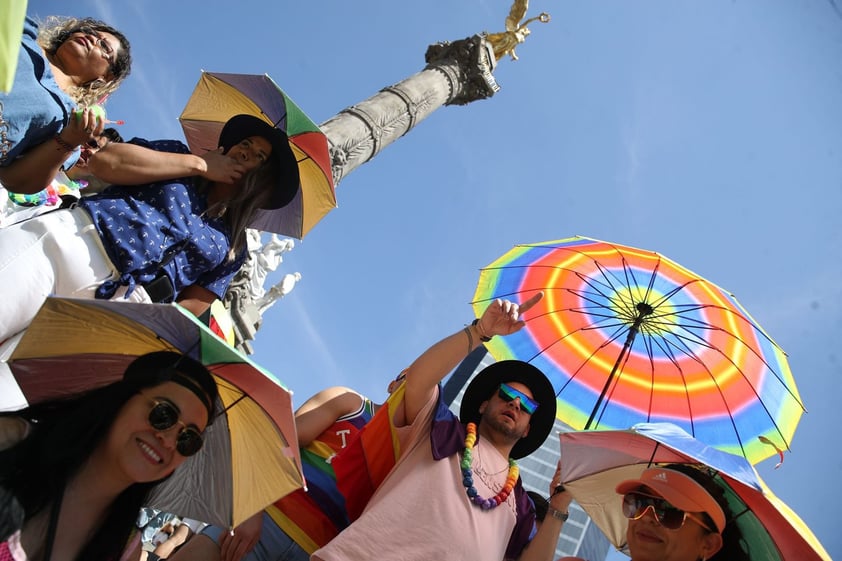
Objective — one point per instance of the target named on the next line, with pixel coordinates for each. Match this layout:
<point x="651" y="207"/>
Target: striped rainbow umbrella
<point x="250" y="457"/>
<point x="627" y="336"/>
<point x="218" y="97"/>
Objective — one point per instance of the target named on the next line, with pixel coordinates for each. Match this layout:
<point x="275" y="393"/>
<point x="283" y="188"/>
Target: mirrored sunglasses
<point x="635" y="506"/>
<point x="508" y="393"/>
<point x="164" y="415"/>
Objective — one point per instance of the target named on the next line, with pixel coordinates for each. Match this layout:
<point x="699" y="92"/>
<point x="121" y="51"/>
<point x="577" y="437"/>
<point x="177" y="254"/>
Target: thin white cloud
<point x="630" y="165"/>
<point x="158" y="111"/>
<point x="300" y="317"/>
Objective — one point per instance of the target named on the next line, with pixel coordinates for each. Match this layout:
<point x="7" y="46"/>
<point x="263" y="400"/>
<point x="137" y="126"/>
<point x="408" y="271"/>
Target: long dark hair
<point x="66" y="431"/>
<point x="732" y="538"/>
<point x="238" y="212"/>
<point x="56" y="30"/>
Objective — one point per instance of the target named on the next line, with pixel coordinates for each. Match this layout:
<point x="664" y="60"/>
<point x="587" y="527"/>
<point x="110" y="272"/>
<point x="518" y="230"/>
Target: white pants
<point x="58" y="253"/>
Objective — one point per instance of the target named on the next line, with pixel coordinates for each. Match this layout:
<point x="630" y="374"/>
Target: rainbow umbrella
<point x="218" y="97"/>
<point x="250" y="457"/>
<point x="594" y="462"/>
<point x="627" y="336"/>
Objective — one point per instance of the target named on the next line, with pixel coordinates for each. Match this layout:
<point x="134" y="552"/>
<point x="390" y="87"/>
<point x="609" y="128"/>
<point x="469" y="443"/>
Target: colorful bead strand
<point x="468" y="475"/>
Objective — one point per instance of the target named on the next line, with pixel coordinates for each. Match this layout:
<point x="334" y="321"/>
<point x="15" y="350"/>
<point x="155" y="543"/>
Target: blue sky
<point x="707" y="131"/>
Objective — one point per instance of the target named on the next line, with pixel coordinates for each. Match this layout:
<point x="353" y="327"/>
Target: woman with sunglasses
<point x="84" y="465"/>
<point x="679" y="513"/>
<point x="67" y="63"/>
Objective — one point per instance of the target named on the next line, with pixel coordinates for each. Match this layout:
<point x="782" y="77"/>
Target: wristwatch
<point x="557" y="514"/>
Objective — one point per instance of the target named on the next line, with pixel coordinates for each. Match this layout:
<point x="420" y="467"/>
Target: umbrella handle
<point x="644" y="310"/>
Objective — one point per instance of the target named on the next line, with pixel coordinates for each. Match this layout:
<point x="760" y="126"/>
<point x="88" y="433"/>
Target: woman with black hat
<point x="150" y="237"/>
<point x="455" y="492"/>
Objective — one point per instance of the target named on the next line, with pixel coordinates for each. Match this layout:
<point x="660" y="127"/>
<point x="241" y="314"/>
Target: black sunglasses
<point x="164" y="416"/>
<point x="635" y="506"/>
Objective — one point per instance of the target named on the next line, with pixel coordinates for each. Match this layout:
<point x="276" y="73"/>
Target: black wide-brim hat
<point x="488" y="380"/>
<point x="283" y="160"/>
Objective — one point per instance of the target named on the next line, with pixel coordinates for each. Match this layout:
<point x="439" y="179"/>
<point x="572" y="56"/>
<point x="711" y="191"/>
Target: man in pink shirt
<point x="455" y="492"/>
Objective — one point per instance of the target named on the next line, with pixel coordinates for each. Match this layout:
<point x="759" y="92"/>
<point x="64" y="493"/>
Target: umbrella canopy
<point x="250" y="457"/>
<point x="594" y="462"/>
<point x="218" y="97"/>
<point x="627" y="336"/>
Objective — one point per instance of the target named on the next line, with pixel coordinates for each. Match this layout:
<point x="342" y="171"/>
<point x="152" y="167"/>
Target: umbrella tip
<point x="644" y="308"/>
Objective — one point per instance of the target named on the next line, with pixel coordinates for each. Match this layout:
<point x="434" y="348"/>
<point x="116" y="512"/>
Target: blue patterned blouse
<point x="145" y="226"/>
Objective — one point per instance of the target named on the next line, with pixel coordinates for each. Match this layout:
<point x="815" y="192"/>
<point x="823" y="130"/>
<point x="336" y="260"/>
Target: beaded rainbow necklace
<point x="468" y="479"/>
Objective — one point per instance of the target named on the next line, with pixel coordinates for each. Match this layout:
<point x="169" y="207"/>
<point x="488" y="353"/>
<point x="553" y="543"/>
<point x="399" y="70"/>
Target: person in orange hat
<point x="678" y="513"/>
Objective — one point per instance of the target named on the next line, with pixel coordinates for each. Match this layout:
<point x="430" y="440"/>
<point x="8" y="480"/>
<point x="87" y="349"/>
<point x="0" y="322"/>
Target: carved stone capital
<point x="468" y="65"/>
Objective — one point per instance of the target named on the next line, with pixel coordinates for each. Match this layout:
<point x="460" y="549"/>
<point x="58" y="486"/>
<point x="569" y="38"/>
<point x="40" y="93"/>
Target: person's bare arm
<point x="180" y="535"/>
<point x="196" y="299"/>
<point x="543" y="544"/>
<point x="322" y="410"/>
<point x="501" y="317"/>
<point x="34" y="170"/>
<point x="122" y="163"/>
<point x="234" y="546"/>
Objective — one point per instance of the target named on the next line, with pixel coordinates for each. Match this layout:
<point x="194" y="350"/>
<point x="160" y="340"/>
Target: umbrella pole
<point x="644" y="309"/>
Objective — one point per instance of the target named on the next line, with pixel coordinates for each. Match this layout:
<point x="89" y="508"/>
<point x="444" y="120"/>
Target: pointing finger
<point x="531" y="302"/>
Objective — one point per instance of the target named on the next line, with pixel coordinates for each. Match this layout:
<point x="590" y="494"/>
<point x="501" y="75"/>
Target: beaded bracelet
<point x="482" y="336"/>
<point x="63" y="143"/>
<point x="558" y="515"/>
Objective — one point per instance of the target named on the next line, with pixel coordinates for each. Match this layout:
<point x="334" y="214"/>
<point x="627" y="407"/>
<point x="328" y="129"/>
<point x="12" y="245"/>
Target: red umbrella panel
<point x="627" y="336"/>
<point x="218" y="97"/>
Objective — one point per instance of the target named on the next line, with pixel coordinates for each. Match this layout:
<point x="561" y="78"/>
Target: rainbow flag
<point x="363" y="465"/>
<point x="314" y="517"/>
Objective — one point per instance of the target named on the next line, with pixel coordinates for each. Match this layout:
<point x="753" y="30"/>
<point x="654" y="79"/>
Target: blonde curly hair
<point x="55" y="30"/>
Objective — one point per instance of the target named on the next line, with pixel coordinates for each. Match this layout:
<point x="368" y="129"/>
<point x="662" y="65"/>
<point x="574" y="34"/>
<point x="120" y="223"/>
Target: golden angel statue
<point x="505" y="42"/>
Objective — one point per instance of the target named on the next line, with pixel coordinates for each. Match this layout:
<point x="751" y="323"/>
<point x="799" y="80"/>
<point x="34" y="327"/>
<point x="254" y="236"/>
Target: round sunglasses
<point x="635" y="506"/>
<point x="164" y="416"/>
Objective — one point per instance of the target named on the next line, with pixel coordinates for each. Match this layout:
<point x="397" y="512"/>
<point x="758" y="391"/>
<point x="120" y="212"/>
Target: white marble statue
<point x="265" y="259"/>
<point x="277" y="292"/>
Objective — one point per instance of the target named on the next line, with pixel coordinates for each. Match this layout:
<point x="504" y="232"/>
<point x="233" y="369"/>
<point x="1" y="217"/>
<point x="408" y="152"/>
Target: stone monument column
<point x="457" y="73"/>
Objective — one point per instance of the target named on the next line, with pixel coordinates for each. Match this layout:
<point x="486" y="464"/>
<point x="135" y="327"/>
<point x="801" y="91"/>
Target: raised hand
<point x="234" y="545"/>
<point x="560" y="498"/>
<point x="502" y="317"/>
<point x="83" y="125"/>
<point x="221" y="168"/>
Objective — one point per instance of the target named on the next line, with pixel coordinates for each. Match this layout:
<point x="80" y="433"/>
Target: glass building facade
<point x="579" y="536"/>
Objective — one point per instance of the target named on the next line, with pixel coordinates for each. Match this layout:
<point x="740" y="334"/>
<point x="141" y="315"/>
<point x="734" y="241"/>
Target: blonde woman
<point x="64" y="65"/>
